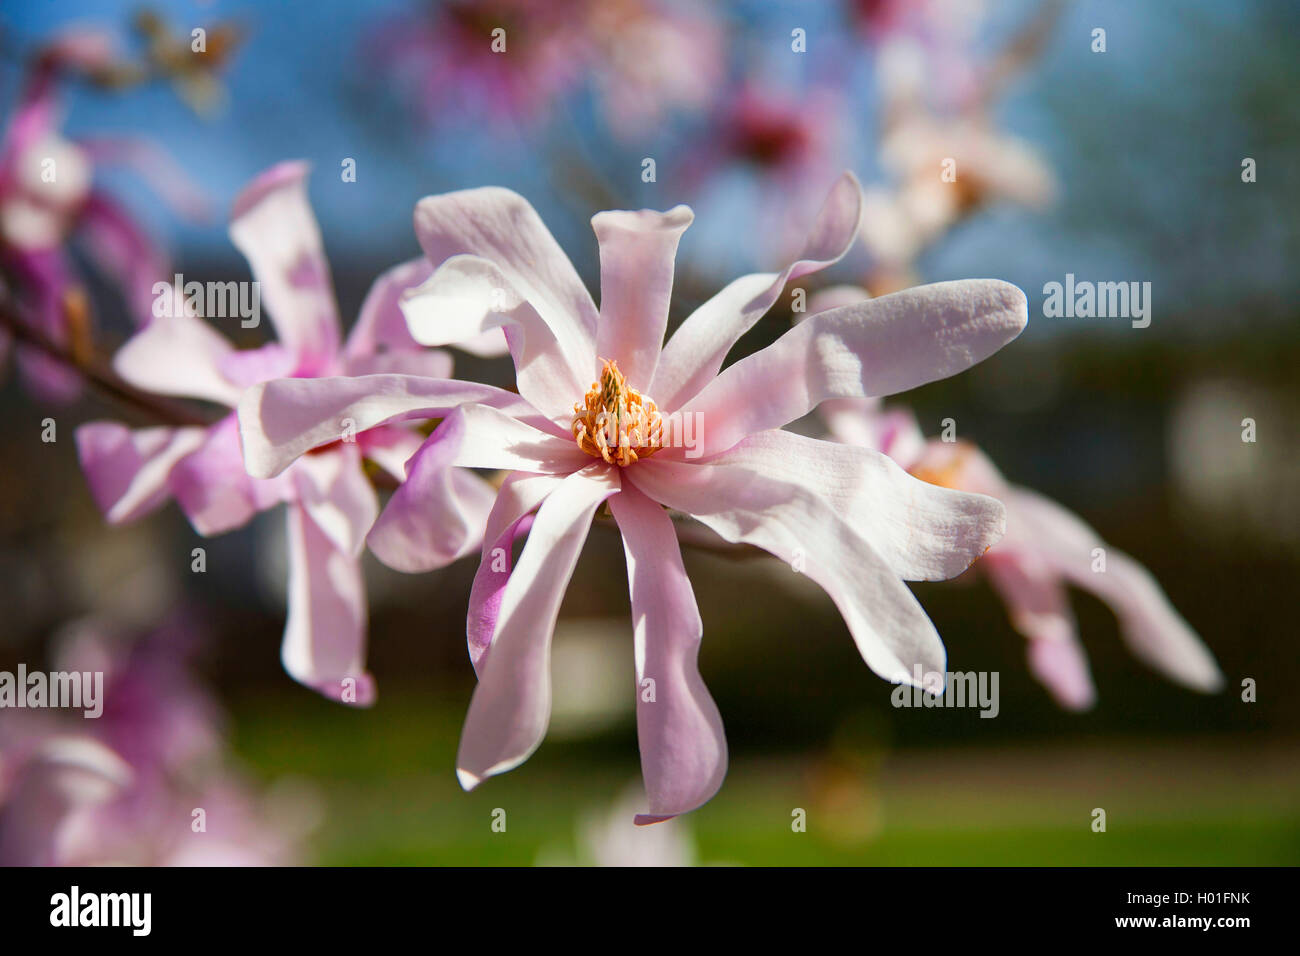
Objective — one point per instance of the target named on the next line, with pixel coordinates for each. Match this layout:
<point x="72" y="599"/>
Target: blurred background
<point x="1117" y="165"/>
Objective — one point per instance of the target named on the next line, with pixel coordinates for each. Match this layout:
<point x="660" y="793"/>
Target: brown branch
<point x="98" y="373"/>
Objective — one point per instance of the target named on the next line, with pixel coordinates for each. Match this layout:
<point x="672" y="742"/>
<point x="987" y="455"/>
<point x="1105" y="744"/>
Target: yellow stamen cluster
<point x="947" y="473"/>
<point x="616" y="422"/>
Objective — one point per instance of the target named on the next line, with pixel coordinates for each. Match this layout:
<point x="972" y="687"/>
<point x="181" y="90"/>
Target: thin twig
<point x="99" y="374"/>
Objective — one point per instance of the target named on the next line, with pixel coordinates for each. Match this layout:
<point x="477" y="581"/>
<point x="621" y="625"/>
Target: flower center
<point x="616" y="422"/>
<point x="946" y="472"/>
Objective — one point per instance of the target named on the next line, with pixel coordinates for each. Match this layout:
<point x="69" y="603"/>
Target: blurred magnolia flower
<point x="331" y="504"/>
<point x="709" y="443"/>
<point x="1045" y="549"/>
<point x="989" y="167"/>
<point x="654" y="58"/>
<point x="512" y="59"/>
<point x="127" y="788"/>
<point x="941" y="151"/>
<point x="505" y="59"/>
<point x="47" y="199"/>
<point x="786" y="147"/>
<point x="924" y="50"/>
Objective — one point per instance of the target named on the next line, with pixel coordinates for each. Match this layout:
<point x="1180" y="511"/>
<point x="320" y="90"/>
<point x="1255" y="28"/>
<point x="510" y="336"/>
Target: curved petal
<point x="500" y="226"/>
<point x="381" y="324"/>
<point x="427" y="363"/>
<point x="390" y="447"/>
<point x="437" y="513"/>
<point x="683" y="747"/>
<point x="892" y="633"/>
<point x="274" y="227"/>
<point x="511" y="706"/>
<point x="1152" y="629"/>
<point x="128" y="470"/>
<point x="179" y="355"/>
<point x="332" y="486"/>
<point x="123" y="250"/>
<point x="1033" y="592"/>
<point x="1039" y="608"/>
<point x="325" y="634"/>
<point x="281" y="419"/>
<point x="470" y="296"/>
<point x="508" y="520"/>
<point x="486" y="437"/>
<point x="876" y="348"/>
<point x="923" y="531"/>
<point x="696" y="351"/>
<point x="637" y="252"/>
<point x="1062" y="667"/>
<point x="212" y="487"/>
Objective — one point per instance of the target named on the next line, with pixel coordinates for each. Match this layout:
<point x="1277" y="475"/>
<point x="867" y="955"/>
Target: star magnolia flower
<point x="658" y="427"/>
<point x="120" y="789"/>
<point x="450" y="56"/>
<point x="1045" y="548"/>
<point x="331" y="502"/>
<point x="47" y="197"/>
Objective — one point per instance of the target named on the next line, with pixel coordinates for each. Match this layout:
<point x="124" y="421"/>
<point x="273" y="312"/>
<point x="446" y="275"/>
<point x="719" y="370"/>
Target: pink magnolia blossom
<point x="643" y="58"/>
<point x="654" y="57"/>
<point x="787" y="147"/>
<point x="122" y="788"/>
<point x="851" y="519"/>
<point x="935" y="108"/>
<point x="331" y="504"/>
<point x="445" y="58"/>
<point x="1045" y="549"/>
<point x="48" y="198"/>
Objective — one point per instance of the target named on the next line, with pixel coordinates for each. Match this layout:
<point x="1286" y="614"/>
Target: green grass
<point x="387" y="784"/>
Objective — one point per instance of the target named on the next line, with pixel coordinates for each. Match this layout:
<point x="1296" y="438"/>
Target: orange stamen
<point x="616" y="422"/>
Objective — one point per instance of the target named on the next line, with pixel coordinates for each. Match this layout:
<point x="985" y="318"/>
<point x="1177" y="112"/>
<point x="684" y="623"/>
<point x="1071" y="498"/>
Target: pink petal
<point x="834" y="297"/>
<point x="429" y="363"/>
<point x="155" y="166"/>
<point x="469" y="296"/>
<point x="511" y="706"/>
<point x="923" y="531"/>
<point x="333" y="488"/>
<point x="1152" y="629"/>
<point x="179" y="355"/>
<point x="1063" y="669"/>
<point x="486" y="437"/>
<point x="683" y="747"/>
<point x="508" y="520"/>
<point x="128" y="470"/>
<point x="281" y="419"/>
<point x="876" y="348"/>
<point x="274" y="227"/>
<point x="437" y="513"/>
<point x="325" y="634"/>
<point x="45" y="277"/>
<point x="1039" y="607"/>
<point x="212" y="487"/>
<point x="500" y="226"/>
<point x="891" y="631"/>
<point x="1034" y="593"/>
<point x="247" y="367"/>
<point x="390" y="447"/>
<point x="380" y="324"/>
<point x="637" y="250"/>
<point x="125" y="252"/>
<point x="696" y="351"/>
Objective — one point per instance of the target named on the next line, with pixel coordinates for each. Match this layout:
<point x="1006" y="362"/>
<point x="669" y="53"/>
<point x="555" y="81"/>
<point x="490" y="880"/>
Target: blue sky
<point x="1145" y="138"/>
